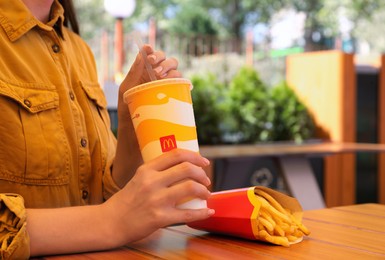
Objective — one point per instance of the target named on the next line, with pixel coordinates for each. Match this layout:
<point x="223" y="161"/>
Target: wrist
<point x="111" y="228"/>
<point x="123" y="111"/>
<point x="118" y="225"/>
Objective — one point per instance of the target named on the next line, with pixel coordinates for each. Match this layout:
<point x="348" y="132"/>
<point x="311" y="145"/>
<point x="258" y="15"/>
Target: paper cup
<point x="163" y="117"/>
<point x="237" y="212"/>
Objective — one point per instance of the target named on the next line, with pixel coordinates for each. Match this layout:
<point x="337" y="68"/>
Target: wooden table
<point x="293" y="160"/>
<point x="349" y="232"/>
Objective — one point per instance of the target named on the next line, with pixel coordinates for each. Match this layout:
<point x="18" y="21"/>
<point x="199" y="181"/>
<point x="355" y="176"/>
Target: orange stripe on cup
<point x="163" y="119"/>
<point x="162" y="108"/>
<point x="161" y="129"/>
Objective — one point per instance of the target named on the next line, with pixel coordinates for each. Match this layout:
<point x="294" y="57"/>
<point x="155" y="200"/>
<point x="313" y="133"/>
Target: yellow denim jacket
<point x="14" y="240"/>
<point x="56" y="147"/>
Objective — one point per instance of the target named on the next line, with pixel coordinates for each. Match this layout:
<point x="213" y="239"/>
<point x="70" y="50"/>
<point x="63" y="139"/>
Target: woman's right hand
<point x="148" y="202"/>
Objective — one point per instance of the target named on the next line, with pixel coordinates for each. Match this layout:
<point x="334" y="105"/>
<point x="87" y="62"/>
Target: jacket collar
<point x="16" y="19"/>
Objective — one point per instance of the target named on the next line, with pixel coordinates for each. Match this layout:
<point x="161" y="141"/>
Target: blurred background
<point x="221" y="36"/>
<point x="236" y="54"/>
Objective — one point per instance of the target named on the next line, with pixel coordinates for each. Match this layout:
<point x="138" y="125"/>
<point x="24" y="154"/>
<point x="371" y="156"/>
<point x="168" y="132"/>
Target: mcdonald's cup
<point x="163" y="118"/>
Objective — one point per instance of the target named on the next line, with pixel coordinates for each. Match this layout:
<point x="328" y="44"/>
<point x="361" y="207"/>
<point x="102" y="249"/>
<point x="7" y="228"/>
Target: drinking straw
<point x="148" y="66"/>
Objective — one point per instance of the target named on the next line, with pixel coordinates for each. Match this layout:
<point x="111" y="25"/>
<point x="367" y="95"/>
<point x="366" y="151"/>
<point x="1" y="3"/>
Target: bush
<point x="207" y="95"/>
<point x="249" y="108"/>
<point x="292" y="120"/>
<point x="248" y="111"/>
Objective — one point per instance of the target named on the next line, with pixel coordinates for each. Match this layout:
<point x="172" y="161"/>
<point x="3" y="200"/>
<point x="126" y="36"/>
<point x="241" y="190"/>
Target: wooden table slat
<point x="318" y="249"/>
<point x="350" y="232"/>
<point x="357" y="220"/>
<point x="347" y="236"/>
<point x="181" y="245"/>
<point x="370" y="209"/>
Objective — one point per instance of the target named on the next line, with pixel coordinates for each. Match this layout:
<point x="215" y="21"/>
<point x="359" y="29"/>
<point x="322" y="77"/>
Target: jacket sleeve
<point x="14" y="239"/>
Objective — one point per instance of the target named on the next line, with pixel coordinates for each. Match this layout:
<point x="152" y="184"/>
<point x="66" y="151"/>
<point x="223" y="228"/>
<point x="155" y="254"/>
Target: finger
<point x="171" y="74"/>
<point x="165" y="66"/>
<point x="175" y="215"/>
<point x="175" y="157"/>
<point x="187" y="189"/>
<point x="182" y="172"/>
<point x="148" y="49"/>
<point x="131" y="78"/>
<point x="169" y="64"/>
<point x="156" y="57"/>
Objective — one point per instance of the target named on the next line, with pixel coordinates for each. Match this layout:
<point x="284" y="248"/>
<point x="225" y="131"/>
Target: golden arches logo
<point x="168" y="143"/>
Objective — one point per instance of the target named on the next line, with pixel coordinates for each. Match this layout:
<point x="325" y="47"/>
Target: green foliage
<point x="237" y="15"/>
<point x="208" y="95"/>
<point x="92" y="16"/>
<point x="233" y="17"/>
<point x="147" y="9"/>
<point x="322" y="16"/>
<point x="363" y="8"/>
<point x="249" y="107"/>
<point x="291" y="121"/>
<point x="248" y="111"/>
<point x="192" y="20"/>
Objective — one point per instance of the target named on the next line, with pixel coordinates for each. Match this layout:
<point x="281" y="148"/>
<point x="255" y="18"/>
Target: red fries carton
<point x="256" y="213"/>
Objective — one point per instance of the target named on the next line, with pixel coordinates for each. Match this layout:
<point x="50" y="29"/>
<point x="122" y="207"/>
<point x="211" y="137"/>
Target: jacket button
<point x="55" y="48"/>
<point x="72" y="96"/>
<point x="84" y="194"/>
<point x="83" y="142"/>
<point x="27" y="103"/>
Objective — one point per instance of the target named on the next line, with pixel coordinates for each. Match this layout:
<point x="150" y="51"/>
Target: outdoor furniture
<point x="293" y="160"/>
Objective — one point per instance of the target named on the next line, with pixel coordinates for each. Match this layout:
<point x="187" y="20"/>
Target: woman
<point x="57" y="151"/>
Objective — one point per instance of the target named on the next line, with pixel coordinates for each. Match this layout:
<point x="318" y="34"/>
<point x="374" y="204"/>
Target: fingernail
<point x="211" y="212"/>
<point x="158" y="69"/>
<point x="206" y="161"/>
<point x="152" y="57"/>
<point x="208" y="181"/>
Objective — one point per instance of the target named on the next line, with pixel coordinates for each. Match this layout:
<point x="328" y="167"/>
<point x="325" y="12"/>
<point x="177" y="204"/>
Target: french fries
<point x="276" y="224"/>
<point x="256" y="213"/>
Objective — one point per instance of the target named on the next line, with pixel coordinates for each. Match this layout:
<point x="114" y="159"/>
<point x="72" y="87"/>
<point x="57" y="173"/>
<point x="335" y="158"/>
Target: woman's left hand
<point x="163" y="68"/>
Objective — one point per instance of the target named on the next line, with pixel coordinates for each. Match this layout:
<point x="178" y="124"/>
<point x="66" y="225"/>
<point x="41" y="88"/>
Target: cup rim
<point x="159" y="82"/>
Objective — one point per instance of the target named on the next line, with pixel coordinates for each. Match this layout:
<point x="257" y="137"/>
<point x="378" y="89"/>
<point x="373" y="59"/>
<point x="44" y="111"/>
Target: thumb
<point x="134" y="75"/>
